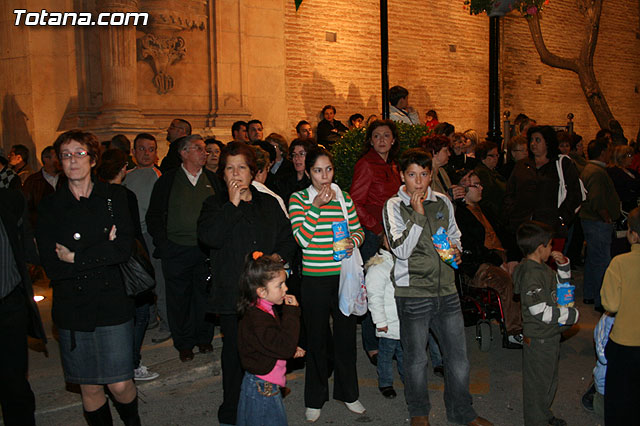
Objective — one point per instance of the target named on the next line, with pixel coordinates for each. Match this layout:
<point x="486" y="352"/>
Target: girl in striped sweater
<point x="312" y="212"/>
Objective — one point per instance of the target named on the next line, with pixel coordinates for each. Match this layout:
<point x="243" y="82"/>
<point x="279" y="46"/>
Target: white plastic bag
<point x="352" y="293"/>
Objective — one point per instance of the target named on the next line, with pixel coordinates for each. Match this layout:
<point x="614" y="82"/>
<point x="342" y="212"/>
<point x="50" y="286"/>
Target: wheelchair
<point x="480" y="306"/>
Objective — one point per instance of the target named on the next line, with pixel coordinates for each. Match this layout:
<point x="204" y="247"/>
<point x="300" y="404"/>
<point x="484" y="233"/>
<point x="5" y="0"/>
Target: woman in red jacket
<point x="375" y="180"/>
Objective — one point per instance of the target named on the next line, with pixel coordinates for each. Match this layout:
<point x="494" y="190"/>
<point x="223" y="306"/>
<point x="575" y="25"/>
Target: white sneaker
<point x="312" y="414"/>
<point x="142" y="373"/>
<point x="516" y="339"/>
<point x="355" y="407"/>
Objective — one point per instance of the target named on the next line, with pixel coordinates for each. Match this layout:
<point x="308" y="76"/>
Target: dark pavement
<point x="190" y="393"/>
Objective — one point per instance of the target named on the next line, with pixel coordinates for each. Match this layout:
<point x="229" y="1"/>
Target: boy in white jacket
<point x="382" y="304"/>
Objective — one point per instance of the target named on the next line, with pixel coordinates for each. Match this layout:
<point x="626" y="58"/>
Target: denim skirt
<point x="99" y="357"/>
<point x="260" y="403"/>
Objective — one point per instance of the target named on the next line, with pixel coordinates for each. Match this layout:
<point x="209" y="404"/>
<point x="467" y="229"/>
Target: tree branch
<point x="546" y="56"/>
<point x="592" y="13"/>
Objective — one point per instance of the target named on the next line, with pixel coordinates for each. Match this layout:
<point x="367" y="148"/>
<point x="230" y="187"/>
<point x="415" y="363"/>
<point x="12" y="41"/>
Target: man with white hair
<point x="172" y="222"/>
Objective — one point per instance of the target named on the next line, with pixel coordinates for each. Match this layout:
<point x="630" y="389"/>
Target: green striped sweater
<point x="312" y="230"/>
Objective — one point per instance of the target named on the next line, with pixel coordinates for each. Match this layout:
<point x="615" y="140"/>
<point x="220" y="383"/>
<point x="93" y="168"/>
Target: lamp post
<point x="494" y="133"/>
<point x="384" y="57"/>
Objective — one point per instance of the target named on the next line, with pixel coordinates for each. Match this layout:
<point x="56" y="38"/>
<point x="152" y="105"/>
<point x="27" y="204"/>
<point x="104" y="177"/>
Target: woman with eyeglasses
<point x="484" y="257"/>
<point x="294" y="182"/>
<point x="84" y="232"/>
<point x="627" y="184"/>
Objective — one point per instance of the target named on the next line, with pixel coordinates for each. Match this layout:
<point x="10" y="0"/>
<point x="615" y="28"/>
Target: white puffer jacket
<point x="380" y="294"/>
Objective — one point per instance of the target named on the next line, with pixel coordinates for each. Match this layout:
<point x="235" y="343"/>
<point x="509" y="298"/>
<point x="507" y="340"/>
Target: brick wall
<point x="440" y="53"/>
<point x="617" y="67"/>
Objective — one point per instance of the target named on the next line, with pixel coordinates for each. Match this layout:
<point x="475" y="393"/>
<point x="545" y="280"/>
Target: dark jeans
<point x="185" y="272"/>
<point x="387" y="349"/>
<point x="159" y="308"/>
<point x="319" y="302"/>
<point x="140" y="321"/>
<point x="232" y="371"/>
<point x="540" y="359"/>
<point x="621" y="394"/>
<point x="434" y="352"/>
<point x="598" y="237"/>
<point x="442" y="315"/>
<point x="16" y="398"/>
<point x="368" y="249"/>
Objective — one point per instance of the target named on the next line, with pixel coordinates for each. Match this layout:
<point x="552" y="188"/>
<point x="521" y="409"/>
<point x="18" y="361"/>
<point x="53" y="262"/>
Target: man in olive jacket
<point x="19" y="315"/>
<point x="597" y="214"/>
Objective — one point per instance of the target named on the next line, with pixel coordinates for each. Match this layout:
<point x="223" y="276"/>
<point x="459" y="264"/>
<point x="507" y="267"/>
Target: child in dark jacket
<point x="543" y="321"/>
<point x="265" y="341"/>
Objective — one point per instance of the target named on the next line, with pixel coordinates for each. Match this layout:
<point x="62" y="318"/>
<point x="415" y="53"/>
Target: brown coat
<point x="264" y="339"/>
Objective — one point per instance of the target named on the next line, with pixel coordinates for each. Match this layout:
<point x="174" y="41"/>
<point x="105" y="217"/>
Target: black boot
<point x="100" y="417"/>
<point x="128" y="412"/>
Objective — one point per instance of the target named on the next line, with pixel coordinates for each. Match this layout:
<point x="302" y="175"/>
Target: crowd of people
<point x="243" y="233"/>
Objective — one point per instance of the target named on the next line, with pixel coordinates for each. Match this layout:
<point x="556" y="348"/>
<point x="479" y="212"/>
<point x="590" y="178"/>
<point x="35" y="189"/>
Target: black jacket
<point x="172" y="160"/>
<point x="233" y="232"/>
<point x="13" y="211"/>
<point x="158" y="211"/>
<point x="533" y="194"/>
<point x="326" y="134"/>
<point x="89" y="292"/>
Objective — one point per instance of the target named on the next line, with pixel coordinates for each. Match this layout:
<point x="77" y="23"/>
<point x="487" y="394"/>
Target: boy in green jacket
<point x="543" y="321"/>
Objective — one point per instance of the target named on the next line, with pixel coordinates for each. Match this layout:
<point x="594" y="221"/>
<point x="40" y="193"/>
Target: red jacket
<point x="374" y="182"/>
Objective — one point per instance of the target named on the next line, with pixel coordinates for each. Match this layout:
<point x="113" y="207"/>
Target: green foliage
<point x="348" y="149"/>
<point x="525" y="7"/>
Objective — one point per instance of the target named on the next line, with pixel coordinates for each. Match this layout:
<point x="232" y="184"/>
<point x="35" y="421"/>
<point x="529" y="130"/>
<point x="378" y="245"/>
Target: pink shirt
<point x="275" y="376"/>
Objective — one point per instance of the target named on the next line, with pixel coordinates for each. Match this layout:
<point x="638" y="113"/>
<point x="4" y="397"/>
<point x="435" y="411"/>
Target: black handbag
<point x="137" y="273"/>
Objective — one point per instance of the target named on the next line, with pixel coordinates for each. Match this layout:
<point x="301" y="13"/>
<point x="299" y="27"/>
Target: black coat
<point x="232" y="232"/>
<point x="13" y="211"/>
<point x="326" y="134"/>
<point x="158" y="211"/>
<point x="532" y="194"/>
<point x="89" y="292"/>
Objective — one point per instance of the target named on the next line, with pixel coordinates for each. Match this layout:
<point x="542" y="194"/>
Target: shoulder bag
<point x="137" y="273"/>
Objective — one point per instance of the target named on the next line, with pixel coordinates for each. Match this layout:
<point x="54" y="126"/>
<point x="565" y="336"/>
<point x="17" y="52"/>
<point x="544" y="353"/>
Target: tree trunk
<point x="582" y="64"/>
<point x="595" y="97"/>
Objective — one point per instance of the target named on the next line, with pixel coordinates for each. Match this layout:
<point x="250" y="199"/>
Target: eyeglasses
<point x="298" y="154"/>
<point x="197" y="148"/>
<point x="475" y="185"/>
<point x="77" y="154"/>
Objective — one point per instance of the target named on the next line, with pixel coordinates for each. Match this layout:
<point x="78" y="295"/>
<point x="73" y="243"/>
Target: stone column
<point x="118" y="69"/>
<point x="228" y="74"/>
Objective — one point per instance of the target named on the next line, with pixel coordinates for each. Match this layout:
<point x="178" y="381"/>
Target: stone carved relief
<point x="174" y="21"/>
<point x="163" y="51"/>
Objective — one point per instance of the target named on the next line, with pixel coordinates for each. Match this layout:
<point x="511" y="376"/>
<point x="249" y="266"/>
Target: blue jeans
<point x="260" y="403"/>
<point x="598" y="237"/>
<point x="387" y="348"/>
<point x="443" y="315"/>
